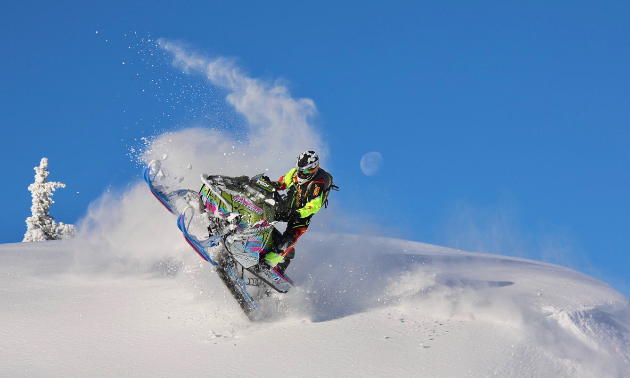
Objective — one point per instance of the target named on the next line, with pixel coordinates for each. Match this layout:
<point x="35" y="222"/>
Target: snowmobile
<point x="239" y="216"/>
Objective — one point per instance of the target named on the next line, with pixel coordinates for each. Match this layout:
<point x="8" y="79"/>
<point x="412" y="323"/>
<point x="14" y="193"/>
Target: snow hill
<point x="142" y="303"/>
<point x="129" y="298"/>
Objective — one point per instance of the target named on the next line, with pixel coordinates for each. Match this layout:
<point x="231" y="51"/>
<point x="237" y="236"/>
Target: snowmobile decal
<point x="248" y="205"/>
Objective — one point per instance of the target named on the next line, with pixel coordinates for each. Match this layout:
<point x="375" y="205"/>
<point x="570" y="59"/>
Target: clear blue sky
<point x="504" y="126"/>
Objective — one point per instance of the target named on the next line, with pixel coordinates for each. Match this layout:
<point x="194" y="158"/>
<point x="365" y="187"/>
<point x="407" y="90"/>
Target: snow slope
<point x="364" y="306"/>
<point x="128" y="297"/>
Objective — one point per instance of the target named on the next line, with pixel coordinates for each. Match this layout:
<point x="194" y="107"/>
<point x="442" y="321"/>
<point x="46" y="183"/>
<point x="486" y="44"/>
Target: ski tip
<point x="147" y="171"/>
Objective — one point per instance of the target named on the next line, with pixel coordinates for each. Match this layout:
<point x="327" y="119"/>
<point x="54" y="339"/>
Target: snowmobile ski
<point x="172" y="201"/>
<point x="200" y="246"/>
<point x="149" y="177"/>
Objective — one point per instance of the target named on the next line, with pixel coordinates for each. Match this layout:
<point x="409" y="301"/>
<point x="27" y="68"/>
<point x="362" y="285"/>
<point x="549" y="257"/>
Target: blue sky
<point x="503" y="126"/>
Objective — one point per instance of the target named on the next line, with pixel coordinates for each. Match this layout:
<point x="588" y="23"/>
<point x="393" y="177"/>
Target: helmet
<point x="307" y="166"/>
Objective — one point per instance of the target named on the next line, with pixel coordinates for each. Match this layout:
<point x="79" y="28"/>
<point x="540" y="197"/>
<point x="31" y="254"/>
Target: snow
<point x="129" y="297"/>
<point x="363" y="306"/>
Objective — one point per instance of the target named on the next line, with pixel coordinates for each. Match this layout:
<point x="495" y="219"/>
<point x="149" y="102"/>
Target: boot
<point x="284" y="264"/>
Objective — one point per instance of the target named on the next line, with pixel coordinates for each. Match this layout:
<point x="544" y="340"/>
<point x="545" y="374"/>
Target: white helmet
<point x="307" y="166"/>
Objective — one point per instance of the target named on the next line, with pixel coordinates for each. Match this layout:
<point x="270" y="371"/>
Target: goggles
<point x="306" y="173"/>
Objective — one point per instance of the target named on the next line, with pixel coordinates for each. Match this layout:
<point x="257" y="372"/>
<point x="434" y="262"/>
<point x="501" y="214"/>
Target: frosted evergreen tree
<point x="41" y="225"/>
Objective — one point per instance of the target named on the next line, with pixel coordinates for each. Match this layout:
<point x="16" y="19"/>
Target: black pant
<point x="295" y="228"/>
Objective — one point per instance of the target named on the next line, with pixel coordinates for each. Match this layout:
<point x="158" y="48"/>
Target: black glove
<point x="294" y="214"/>
<point x="286" y="214"/>
<point x="276" y="185"/>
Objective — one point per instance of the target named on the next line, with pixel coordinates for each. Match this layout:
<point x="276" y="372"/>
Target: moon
<point x="371" y="163"/>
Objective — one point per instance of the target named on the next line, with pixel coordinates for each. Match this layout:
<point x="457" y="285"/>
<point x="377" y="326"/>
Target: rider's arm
<point x="287" y="180"/>
<point x="311" y="207"/>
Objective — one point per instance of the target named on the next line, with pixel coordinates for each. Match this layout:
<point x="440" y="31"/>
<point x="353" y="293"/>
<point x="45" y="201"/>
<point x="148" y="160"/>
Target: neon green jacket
<point x="306" y="198"/>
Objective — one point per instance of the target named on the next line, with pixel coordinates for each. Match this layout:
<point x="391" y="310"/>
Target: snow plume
<point x="279" y="127"/>
<point x="344" y="278"/>
<point x="132" y="230"/>
<point x="126" y="233"/>
<point x="497" y="228"/>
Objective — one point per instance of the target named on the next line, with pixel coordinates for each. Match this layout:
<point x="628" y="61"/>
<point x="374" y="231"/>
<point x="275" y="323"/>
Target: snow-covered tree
<point x="41" y="225"/>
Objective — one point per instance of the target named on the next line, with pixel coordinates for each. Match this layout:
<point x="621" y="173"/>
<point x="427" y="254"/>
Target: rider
<point x="307" y="186"/>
